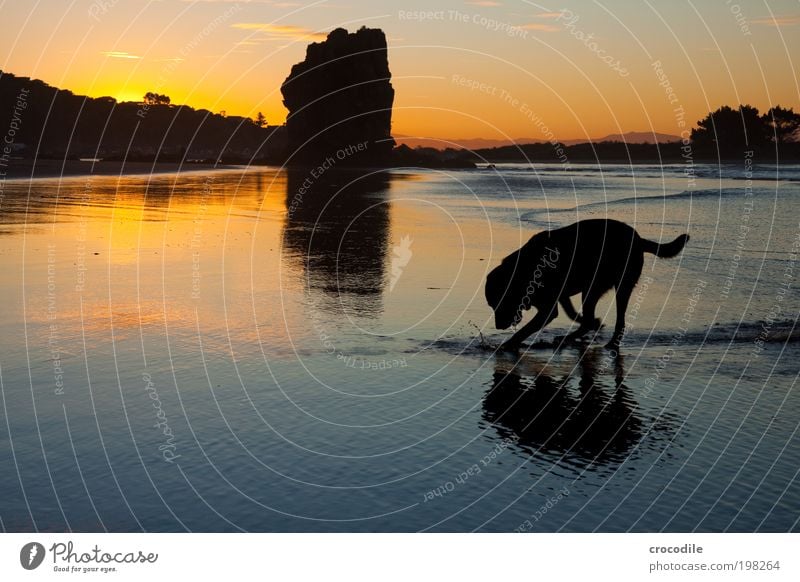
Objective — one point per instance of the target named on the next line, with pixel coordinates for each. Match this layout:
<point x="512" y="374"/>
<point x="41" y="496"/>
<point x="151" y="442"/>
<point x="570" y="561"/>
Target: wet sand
<point x="325" y="360"/>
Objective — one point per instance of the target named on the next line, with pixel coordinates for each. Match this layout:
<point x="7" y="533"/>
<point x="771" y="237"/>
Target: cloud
<point x="485" y="3"/>
<point x="281" y="31"/>
<point x="550" y="15"/>
<point x="779" y="21"/>
<point x="119" y="55"/>
<point x="540" y="27"/>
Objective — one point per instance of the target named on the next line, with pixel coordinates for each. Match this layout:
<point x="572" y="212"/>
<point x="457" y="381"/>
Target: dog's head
<point x="504" y="294"/>
<point x="521" y="280"/>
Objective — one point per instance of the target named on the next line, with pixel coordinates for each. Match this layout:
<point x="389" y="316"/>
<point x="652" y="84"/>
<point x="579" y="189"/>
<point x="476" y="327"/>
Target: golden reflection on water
<point x="230" y="254"/>
<point x="234" y="262"/>
<point x="107" y="257"/>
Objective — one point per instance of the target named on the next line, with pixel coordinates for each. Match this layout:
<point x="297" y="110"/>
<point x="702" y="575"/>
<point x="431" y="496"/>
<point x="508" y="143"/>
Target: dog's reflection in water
<point x="579" y="409"/>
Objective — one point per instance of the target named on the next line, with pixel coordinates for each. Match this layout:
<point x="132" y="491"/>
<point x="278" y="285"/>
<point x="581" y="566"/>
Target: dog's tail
<point x="665" y="251"/>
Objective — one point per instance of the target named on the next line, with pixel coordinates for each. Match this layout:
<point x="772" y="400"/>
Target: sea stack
<point x="340" y="102"/>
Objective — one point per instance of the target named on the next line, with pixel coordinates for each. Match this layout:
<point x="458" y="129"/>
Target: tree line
<point x="724" y="134"/>
<point x="729" y="131"/>
<point x="58" y="124"/>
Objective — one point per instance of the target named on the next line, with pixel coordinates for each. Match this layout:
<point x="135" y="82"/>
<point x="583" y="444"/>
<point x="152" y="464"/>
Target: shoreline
<point x="44" y="169"/>
<point x="24" y="170"/>
<point x="636" y="162"/>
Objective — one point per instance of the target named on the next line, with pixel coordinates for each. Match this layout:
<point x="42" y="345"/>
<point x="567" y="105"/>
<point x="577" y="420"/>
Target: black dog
<point x="588" y="257"/>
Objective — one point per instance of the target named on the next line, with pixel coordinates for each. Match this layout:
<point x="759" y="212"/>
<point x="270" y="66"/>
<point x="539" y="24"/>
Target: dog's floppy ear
<point x="495" y="285"/>
<point x="503" y="282"/>
<point x="488" y="290"/>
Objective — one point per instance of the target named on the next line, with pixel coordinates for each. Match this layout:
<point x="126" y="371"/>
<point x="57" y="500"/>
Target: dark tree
<point x="156" y="99"/>
<point x="260" y="120"/>
<point x="782" y="124"/>
<point x="730" y="131"/>
<point x="56" y="124"/>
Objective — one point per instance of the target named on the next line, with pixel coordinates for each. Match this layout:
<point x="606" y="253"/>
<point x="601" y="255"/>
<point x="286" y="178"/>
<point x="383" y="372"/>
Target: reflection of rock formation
<point x="340" y="101"/>
<point x="590" y="421"/>
<point x="337" y="228"/>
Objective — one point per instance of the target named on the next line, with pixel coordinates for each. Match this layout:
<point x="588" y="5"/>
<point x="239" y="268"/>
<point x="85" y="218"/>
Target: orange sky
<point x="460" y="69"/>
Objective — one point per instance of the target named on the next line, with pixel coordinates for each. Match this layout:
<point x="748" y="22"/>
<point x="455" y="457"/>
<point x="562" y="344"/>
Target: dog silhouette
<point x="589" y="257"/>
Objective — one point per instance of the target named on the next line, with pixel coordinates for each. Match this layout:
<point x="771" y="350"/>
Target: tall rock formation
<point x="340" y="101"/>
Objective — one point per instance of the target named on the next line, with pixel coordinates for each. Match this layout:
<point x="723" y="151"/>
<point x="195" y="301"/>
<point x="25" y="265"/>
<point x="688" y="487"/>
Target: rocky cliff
<point x="340" y="101"/>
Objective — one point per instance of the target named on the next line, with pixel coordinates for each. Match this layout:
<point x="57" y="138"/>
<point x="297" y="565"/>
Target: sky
<point x="504" y="69"/>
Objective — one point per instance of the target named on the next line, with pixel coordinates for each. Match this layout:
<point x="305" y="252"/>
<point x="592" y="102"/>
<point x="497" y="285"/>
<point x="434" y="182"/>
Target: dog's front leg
<point x="542" y="318"/>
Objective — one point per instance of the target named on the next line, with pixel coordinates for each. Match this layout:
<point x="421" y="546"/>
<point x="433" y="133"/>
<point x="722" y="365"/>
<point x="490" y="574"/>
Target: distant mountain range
<point x="481" y="143"/>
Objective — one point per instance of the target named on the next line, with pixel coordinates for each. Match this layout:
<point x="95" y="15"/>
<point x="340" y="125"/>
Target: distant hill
<point x="55" y="123"/>
<point x="632" y="137"/>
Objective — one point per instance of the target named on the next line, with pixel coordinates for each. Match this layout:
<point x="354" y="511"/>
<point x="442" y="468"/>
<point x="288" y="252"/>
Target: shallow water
<point x="254" y="350"/>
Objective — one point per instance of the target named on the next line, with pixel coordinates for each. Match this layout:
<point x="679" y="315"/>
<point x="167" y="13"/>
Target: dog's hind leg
<point x="542" y="318"/>
<point x="624" y="292"/>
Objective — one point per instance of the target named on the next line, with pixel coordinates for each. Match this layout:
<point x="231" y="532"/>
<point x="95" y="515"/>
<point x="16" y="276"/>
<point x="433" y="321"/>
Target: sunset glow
<point x="460" y="69"/>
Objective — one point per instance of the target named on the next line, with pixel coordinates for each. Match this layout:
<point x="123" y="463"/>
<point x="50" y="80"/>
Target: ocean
<point x="258" y="349"/>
